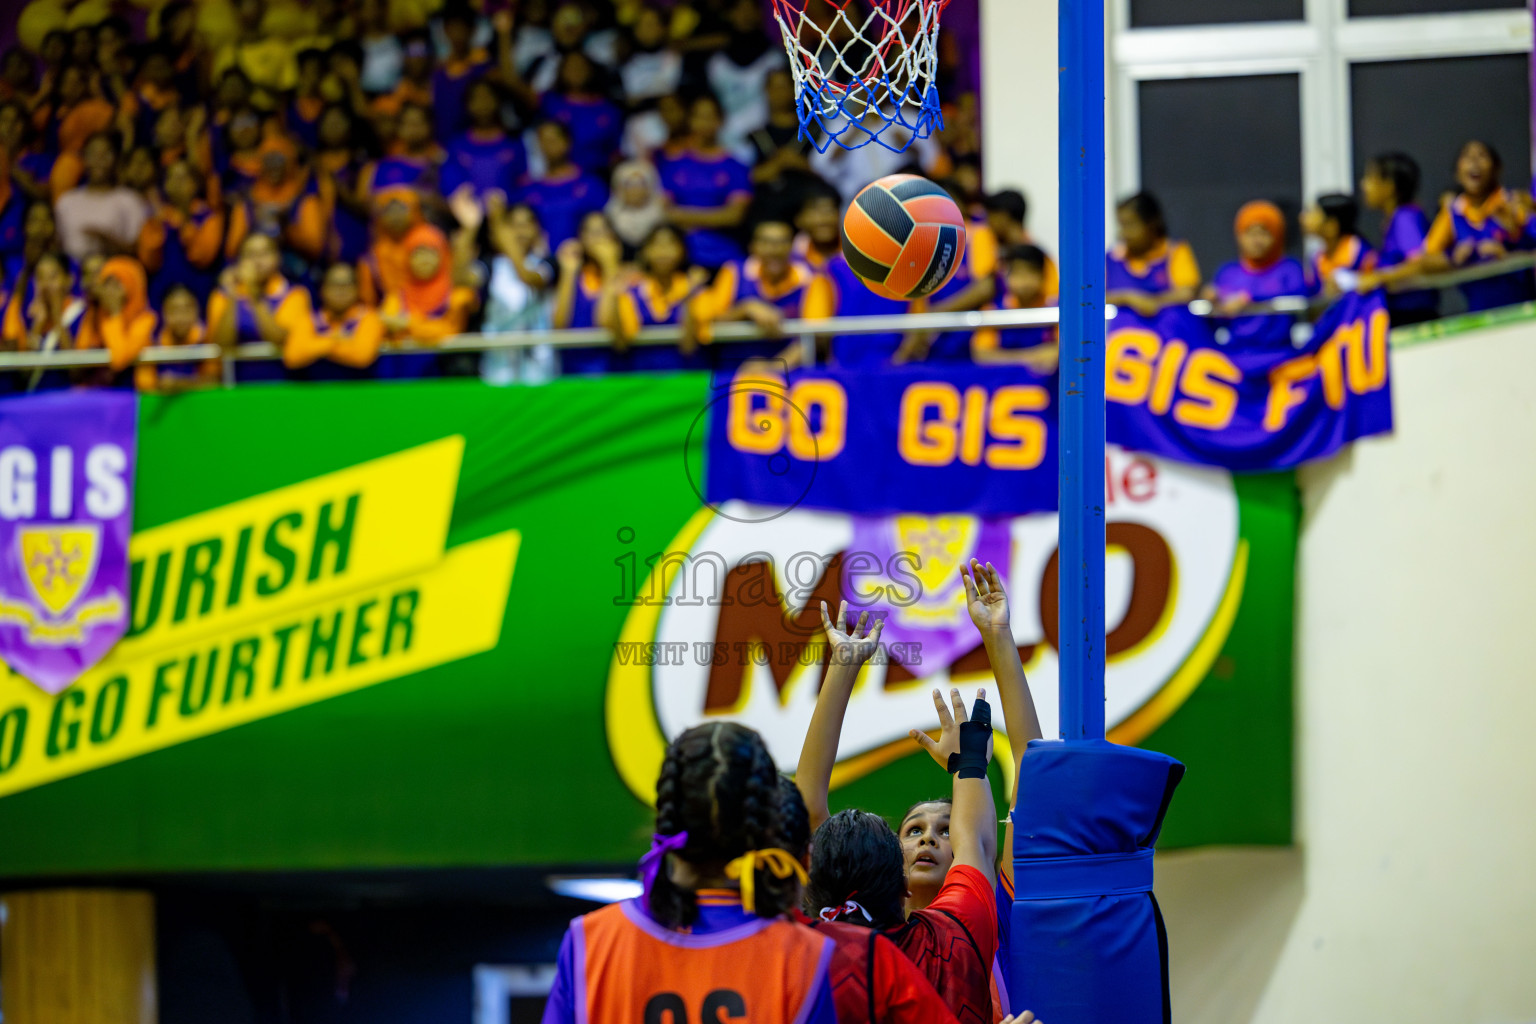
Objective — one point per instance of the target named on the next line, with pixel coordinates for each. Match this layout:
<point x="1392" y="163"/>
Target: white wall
<point x="1411" y="897"/>
<point x="1018" y="106"/>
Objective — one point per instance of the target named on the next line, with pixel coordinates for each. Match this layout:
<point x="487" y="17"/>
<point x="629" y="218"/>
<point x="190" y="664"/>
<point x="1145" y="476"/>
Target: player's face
<point x="339" y="289"/>
<point x="260" y="252"/>
<point x="1133" y="230"/>
<point x="663" y="254"/>
<point x="704" y="121"/>
<point x="49" y="277"/>
<point x="180" y="313"/>
<point x="819" y="221"/>
<point x="524" y="227"/>
<point x="1025" y="281"/>
<point x="925" y="845"/>
<point x="415" y="129"/>
<point x="1255" y="243"/>
<point x="425" y="261"/>
<point x="1376" y="190"/>
<point x="771" y="244"/>
<point x="1474" y="169"/>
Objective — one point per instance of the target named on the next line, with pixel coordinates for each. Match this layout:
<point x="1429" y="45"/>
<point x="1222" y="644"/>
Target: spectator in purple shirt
<point x="1390" y="184"/>
<point x="485" y="157"/>
<point x="1261" y="273"/>
<point x="710" y="190"/>
<point x="564" y="193"/>
<point x="596" y="125"/>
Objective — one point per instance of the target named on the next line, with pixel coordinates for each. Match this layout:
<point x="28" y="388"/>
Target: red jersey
<point x="873" y="983"/>
<point x="953" y="941"/>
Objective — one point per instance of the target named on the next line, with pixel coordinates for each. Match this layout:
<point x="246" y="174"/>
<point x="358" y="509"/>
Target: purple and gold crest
<point x="66" y="513"/>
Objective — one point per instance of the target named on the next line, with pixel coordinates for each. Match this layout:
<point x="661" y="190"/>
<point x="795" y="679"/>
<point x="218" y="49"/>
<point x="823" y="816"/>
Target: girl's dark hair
<point x="665" y="229"/>
<point x="796" y="819"/>
<point x="719" y="785"/>
<point x="1339" y="207"/>
<point x="936" y="800"/>
<point x="1147" y="210"/>
<point x="1031" y="255"/>
<point x="855" y="854"/>
<point x="1401" y="170"/>
<point x="1493" y="154"/>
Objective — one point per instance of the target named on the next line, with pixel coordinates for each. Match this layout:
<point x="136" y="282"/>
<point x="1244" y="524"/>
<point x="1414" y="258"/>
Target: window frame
<point x="1319" y="49"/>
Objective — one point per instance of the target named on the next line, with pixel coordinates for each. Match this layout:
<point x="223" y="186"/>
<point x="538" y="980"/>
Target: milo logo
<point x="728" y="624"/>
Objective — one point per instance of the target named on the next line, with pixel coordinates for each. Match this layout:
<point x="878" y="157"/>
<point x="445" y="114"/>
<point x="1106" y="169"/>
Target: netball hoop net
<point x="865" y="70"/>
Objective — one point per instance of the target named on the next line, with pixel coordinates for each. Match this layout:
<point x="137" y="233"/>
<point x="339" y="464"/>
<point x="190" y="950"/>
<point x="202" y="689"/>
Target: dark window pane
<point x="1428" y="108"/>
<point x="1208" y="145"/>
<point x="1152" y="13"/>
<point x="1376" y="8"/>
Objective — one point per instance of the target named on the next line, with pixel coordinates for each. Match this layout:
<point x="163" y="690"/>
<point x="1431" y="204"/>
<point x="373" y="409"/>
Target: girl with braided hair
<point x="710" y="937"/>
<point x="930" y="890"/>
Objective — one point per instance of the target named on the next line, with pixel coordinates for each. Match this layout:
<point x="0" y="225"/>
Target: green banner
<point x="442" y="624"/>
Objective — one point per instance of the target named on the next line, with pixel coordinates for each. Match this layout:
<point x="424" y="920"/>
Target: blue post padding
<point x="1087" y="937"/>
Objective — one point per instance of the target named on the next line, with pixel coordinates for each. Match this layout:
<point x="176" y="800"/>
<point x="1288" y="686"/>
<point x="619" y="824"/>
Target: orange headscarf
<point x="1266" y="215"/>
<point x="389" y="254"/>
<point x="84" y="119"/>
<point x="287" y="191"/>
<point x="429" y="297"/>
<point x="129" y="273"/>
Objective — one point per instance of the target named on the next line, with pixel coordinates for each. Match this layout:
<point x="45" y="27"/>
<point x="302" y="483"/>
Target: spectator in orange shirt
<point x="433" y="300"/>
<point x="382" y="270"/>
<point x="280" y="203"/>
<point x="44" y="307"/>
<point x="341" y="338"/>
<point x="181" y="324"/>
<point x="183" y="238"/>
<point x="254" y="300"/>
<point x="117" y="317"/>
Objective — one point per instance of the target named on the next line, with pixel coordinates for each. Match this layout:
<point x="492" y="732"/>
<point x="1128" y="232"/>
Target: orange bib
<point x="631" y="970"/>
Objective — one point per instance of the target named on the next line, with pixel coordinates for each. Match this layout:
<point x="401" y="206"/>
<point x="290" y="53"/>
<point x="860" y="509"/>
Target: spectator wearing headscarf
<point x="1262" y="272"/>
<point x="636" y="204"/>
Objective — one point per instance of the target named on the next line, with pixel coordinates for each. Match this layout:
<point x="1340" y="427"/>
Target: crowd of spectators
<point x="347" y="177"/>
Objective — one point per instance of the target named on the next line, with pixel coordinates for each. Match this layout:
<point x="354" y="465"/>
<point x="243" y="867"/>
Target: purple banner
<point x="981" y="440"/>
<point x="919" y="557"/>
<point x="66" y="513"/>
<point x="1171" y="390"/>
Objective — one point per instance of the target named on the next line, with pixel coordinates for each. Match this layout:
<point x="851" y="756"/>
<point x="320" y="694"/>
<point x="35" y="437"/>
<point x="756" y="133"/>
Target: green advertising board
<point x="443" y="624"/>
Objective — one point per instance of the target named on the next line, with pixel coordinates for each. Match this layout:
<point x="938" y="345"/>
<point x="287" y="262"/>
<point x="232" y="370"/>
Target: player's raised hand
<point x="850" y="647"/>
<point x="949" y="727"/>
<point x="985" y="598"/>
<point x="1024" y="1018"/>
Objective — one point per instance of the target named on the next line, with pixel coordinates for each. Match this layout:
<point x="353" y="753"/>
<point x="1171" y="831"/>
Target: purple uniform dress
<point x="653" y="309"/>
<point x="788" y="298"/>
<point x="852" y="297"/>
<point x="1284" y="277"/>
<point x="596" y="127"/>
<point x="562" y="200"/>
<point x="405" y="172"/>
<point x="1491" y="292"/>
<point x="584" y="298"/>
<point x="567" y="1005"/>
<point x="484" y="162"/>
<point x="450" y="88"/>
<point x="1401" y="240"/>
<point x="708" y="181"/>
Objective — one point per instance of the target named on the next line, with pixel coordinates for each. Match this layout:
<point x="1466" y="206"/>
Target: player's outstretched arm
<point x="964" y="749"/>
<point x="988" y="605"/>
<point x="847" y="652"/>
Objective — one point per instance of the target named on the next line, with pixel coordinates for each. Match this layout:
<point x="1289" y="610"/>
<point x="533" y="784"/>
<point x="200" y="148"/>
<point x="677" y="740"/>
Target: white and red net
<point x="865" y="70"/>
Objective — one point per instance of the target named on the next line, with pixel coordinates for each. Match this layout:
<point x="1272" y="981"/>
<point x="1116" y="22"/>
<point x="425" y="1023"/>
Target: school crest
<point x="66" y="478"/>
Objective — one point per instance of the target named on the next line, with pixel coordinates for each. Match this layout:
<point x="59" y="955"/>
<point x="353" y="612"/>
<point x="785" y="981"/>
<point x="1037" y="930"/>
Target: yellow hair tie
<point x="780" y="862"/>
